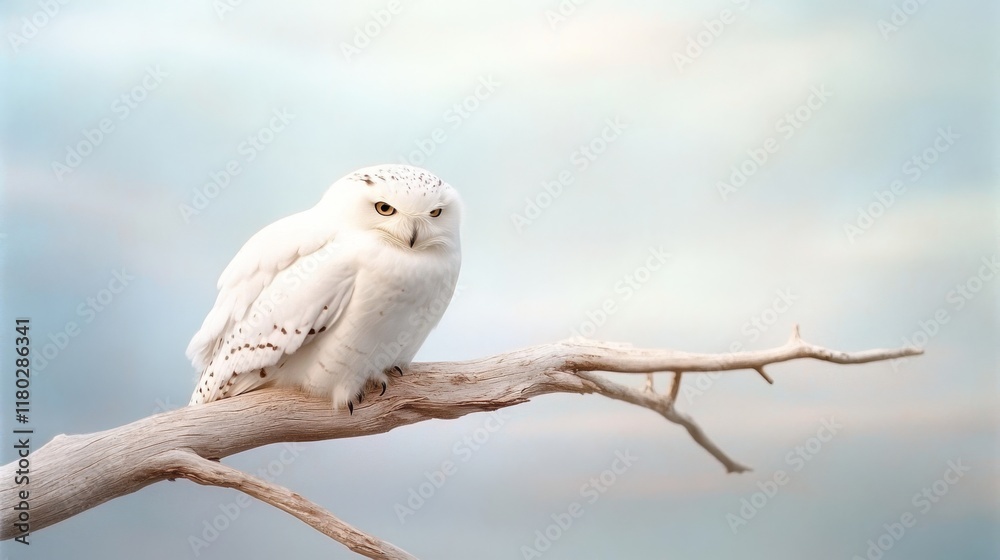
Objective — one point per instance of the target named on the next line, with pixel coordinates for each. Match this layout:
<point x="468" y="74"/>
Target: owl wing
<point x="289" y="282"/>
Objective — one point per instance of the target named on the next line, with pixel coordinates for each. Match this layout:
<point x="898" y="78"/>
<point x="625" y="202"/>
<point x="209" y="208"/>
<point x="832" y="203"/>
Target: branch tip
<point x="796" y="336"/>
<point x="764" y="374"/>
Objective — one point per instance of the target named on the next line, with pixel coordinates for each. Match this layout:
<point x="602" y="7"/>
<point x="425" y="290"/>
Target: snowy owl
<point x="332" y="298"/>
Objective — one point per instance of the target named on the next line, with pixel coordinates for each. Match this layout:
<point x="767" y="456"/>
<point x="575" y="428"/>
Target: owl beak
<point x="413" y="238"/>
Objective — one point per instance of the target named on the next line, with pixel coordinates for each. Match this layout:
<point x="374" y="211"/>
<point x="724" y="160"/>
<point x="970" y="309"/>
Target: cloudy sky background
<point x="655" y="186"/>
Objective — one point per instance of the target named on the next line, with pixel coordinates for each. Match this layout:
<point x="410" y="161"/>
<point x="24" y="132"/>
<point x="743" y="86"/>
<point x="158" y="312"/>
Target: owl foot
<point x="360" y="397"/>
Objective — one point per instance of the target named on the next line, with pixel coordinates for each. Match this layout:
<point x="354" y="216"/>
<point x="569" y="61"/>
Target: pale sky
<point x="867" y="204"/>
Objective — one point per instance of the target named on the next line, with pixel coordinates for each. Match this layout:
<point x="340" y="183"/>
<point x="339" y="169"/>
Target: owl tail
<point x="230" y="386"/>
<point x="250" y="381"/>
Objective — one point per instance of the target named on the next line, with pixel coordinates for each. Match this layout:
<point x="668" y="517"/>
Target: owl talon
<point x="383" y="389"/>
<point x="398" y="371"/>
<point x="350" y="406"/>
<point x="360" y="396"/>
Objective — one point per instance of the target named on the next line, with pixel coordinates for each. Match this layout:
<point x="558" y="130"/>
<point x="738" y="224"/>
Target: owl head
<point x="406" y="206"/>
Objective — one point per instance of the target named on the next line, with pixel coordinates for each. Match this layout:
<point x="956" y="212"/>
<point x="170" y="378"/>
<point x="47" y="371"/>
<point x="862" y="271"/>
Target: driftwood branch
<point x="185" y="464"/>
<point x="75" y="473"/>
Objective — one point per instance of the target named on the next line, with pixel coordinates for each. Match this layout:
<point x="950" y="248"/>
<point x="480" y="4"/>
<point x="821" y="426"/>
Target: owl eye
<point x="384" y="208"/>
<point x="435" y="212"/>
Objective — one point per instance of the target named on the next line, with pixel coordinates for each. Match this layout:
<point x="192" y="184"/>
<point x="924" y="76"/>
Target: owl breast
<point x="399" y="297"/>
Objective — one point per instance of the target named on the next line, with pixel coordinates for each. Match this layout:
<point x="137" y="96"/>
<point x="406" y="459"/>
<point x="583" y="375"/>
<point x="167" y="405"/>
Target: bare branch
<point x="187" y="465"/>
<point x="664" y="405"/>
<point x="675" y="386"/>
<point x="604" y="356"/>
<point x="83" y="471"/>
